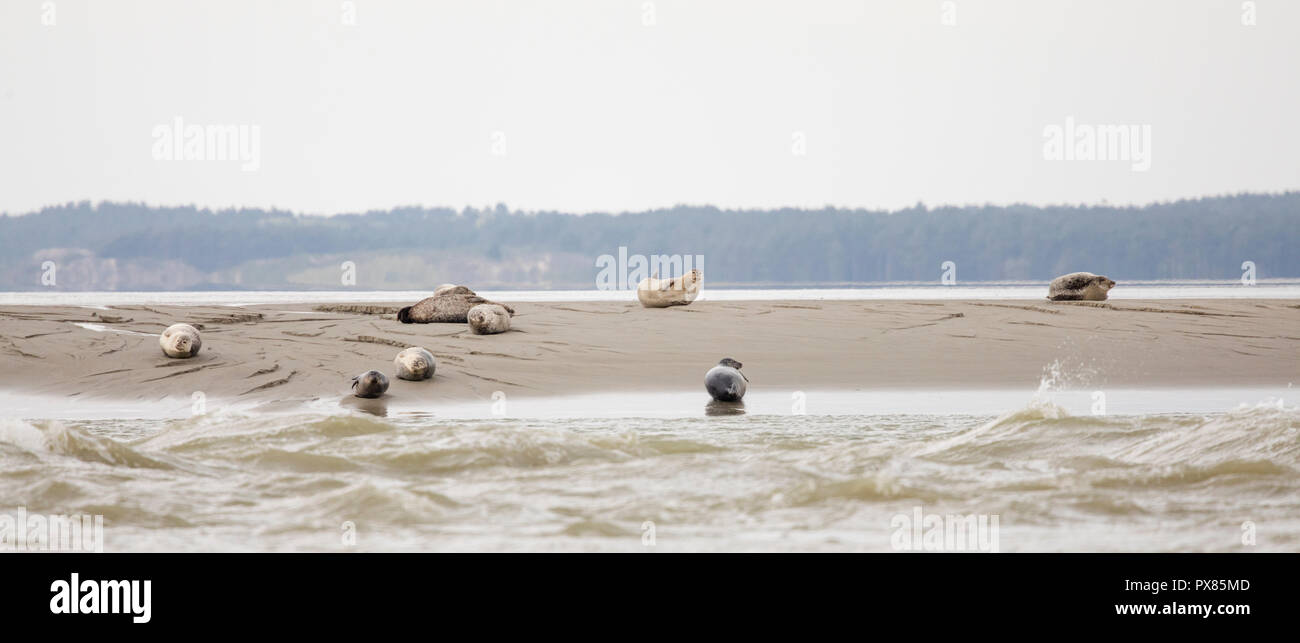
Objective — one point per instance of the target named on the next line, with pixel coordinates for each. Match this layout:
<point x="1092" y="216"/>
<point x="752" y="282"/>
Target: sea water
<point x="1171" y="470"/>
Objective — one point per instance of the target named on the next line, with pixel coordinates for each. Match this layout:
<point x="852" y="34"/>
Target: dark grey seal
<point x="725" y="382"/>
<point x="370" y="384"/>
<point x="449" y="304"/>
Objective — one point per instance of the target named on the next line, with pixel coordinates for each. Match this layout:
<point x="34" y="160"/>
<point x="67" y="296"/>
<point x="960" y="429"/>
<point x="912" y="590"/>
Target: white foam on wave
<point x="22" y="434"/>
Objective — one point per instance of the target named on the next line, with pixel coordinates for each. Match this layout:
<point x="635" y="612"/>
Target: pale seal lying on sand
<point x="488" y="319"/>
<point x="725" y="382"/>
<point x="180" y="340"/>
<point x="1079" y="286"/>
<point x="448" y="304"/>
<point x="678" y="291"/>
<point x="370" y="384"/>
<point x="414" y="364"/>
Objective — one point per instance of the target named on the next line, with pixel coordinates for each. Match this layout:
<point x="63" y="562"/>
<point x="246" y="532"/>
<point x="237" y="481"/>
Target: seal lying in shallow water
<point x="180" y="340"/>
<point x="725" y="382"/>
<point x="370" y="384"/>
<point x="1079" y="286"/>
<point x="448" y="304"/>
<point x="414" y="364"/>
<point x="678" y="291"/>
<point x="488" y="319"/>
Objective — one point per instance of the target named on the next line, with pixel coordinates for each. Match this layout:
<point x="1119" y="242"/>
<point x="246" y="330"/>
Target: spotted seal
<point x="488" y="319"/>
<point x="1080" y="286"/>
<point x="415" y="364"/>
<point x="449" y="304"/>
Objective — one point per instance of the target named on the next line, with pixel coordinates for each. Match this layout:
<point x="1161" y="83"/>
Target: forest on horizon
<point x="127" y="246"/>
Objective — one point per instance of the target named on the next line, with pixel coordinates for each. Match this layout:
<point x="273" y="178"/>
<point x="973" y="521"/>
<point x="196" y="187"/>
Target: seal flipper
<point x="404" y="316"/>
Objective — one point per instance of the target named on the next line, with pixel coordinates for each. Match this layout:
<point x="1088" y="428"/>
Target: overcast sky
<point x="614" y="106"/>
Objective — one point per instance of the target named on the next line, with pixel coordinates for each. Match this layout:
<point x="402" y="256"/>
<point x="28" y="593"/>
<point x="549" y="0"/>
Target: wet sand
<point x="286" y="353"/>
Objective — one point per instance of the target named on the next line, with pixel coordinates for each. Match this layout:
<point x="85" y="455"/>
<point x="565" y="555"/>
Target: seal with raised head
<point x="654" y="292"/>
<point x="1080" y="286"/>
<point x="488" y="319"/>
<point x="180" y="340"/>
<point x="415" y="364"/>
<point x="370" y="384"/>
<point x="448" y="304"/>
<point x="725" y="382"/>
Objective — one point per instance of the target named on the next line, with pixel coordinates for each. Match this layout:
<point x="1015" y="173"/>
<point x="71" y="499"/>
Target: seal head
<point x="370" y="384"/>
<point x="414" y="364"/>
<point x="180" y="340"/>
<point x="488" y="319"/>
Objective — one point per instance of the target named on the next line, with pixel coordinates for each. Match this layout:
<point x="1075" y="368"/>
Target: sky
<point x="631" y="105"/>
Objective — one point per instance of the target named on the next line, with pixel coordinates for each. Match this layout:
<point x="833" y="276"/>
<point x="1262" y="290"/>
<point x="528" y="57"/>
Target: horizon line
<point x="920" y="204"/>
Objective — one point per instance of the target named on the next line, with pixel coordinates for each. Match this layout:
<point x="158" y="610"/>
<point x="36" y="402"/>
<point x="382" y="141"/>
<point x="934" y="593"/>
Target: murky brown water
<point x="344" y="480"/>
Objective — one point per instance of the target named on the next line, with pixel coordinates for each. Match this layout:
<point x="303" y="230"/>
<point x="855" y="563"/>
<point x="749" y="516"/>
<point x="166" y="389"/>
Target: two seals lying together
<point x="414" y="364"/>
<point x="458" y="304"/>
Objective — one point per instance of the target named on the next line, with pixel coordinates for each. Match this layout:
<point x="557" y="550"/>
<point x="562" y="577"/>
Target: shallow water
<point x="1055" y="476"/>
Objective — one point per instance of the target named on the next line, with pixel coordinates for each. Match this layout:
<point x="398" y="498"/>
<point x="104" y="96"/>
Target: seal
<point x="370" y="384"/>
<point x="488" y="319"/>
<point x="449" y="304"/>
<point x="180" y="340"/>
<point x="415" y="364"/>
<point x="725" y="382"/>
<point x="1079" y="286"/>
<point x="654" y="292"/>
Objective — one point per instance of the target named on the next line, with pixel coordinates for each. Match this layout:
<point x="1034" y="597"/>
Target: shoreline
<point x="291" y="353"/>
<point x="1278" y="289"/>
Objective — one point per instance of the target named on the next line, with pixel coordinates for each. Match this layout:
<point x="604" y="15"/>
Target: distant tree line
<point x="1205" y="238"/>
